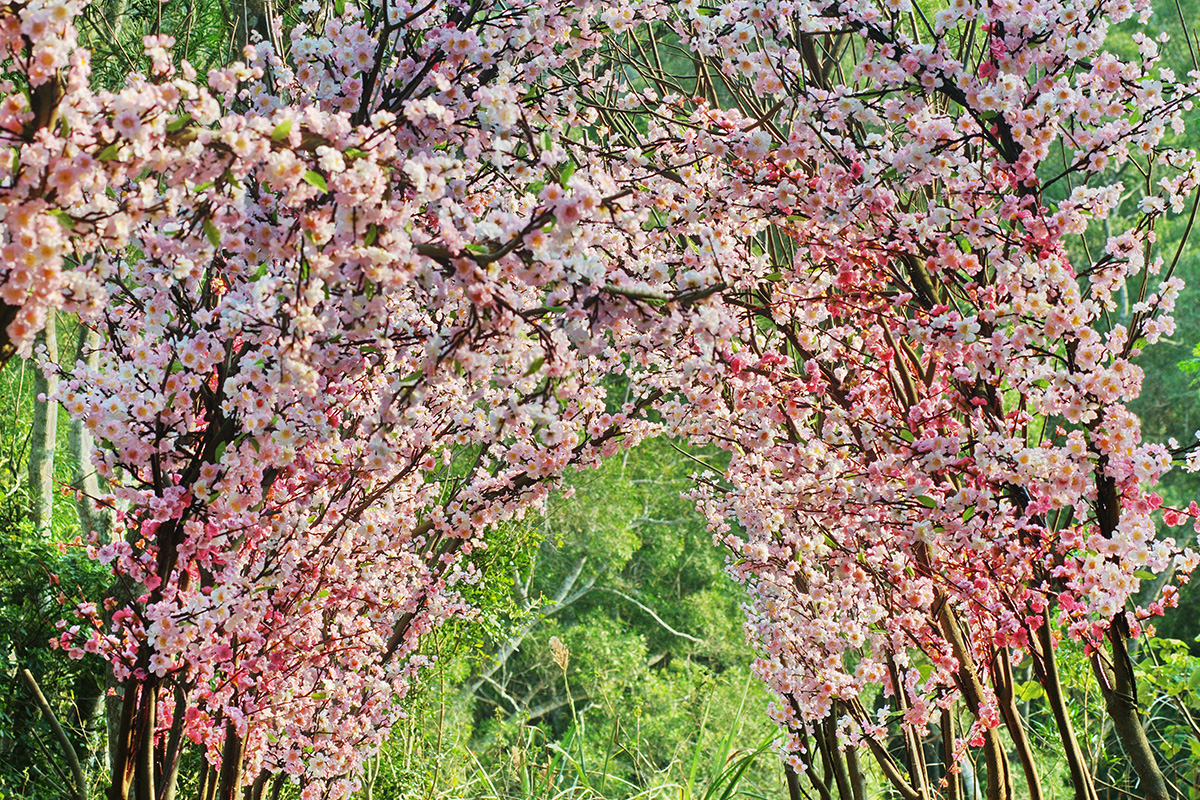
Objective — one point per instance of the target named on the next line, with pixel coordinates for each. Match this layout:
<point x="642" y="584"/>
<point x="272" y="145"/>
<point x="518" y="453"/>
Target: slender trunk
<point x="255" y="790"/>
<point x="820" y="783"/>
<point x="999" y="779"/>
<point x="887" y="765"/>
<point x="207" y="781"/>
<point x="1119" y="688"/>
<point x="88" y="690"/>
<point x="144" y="783"/>
<point x="230" y="779"/>
<point x="836" y="758"/>
<point x="793" y="783"/>
<point x="916" y="761"/>
<point x="277" y="786"/>
<point x="858" y="784"/>
<point x="121" y="746"/>
<point x="92" y="518"/>
<point x="174" y="750"/>
<point x="1081" y="778"/>
<point x="953" y="787"/>
<point x="912" y="744"/>
<point x="43" y="438"/>
<point x="1119" y="684"/>
<point x="1012" y="721"/>
<point x="7" y="315"/>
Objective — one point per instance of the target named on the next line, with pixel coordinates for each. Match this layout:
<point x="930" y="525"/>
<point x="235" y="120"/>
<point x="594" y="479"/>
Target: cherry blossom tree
<point x="343" y="337"/>
<point x="367" y="297"/>
<point x="934" y="472"/>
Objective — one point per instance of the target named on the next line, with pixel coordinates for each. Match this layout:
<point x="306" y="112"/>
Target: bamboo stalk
<point x="59" y="733"/>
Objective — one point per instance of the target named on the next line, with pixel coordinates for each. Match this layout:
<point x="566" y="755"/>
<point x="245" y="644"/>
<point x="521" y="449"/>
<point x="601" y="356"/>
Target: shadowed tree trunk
<point x="1118" y="683"/>
<point x="43" y="438"/>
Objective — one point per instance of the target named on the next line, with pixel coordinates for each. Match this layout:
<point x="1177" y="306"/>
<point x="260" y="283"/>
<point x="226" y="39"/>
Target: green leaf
<point x="63" y="218"/>
<point x="372" y="235"/>
<point x="353" y="152"/>
<point x="1030" y="690"/>
<point x="314" y="178"/>
<point x="1144" y="575"/>
<point x="214" y="235"/>
<point x="907" y="436"/>
<point x="179" y="123"/>
<point x="927" y="501"/>
<point x="535" y="366"/>
<point x="109" y="153"/>
<point x="567" y="171"/>
<point x="281" y="131"/>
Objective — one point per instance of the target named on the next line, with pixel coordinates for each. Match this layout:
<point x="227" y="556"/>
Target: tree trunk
<point x="88" y="689"/>
<point x="1081" y="778"/>
<point x="953" y="785"/>
<point x="114" y="16"/>
<point x="1118" y="684"/>
<point x="1119" y="688"/>
<point x="1005" y="685"/>
<point x="999" y="778"/>
<point x="92" y="518"/>
<point x="43" y="438"/>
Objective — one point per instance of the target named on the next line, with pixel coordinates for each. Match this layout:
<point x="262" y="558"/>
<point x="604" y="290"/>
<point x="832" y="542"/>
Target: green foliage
<point x="36" y="576"/>
<point x="207" y="34"/>
<point x="656" y="700"/>
<point x="1170" y="675"/>
<point x="720" y="752"/>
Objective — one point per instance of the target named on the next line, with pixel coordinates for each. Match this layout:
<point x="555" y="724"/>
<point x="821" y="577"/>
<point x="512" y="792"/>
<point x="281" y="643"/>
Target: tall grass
<point x="717" y="761"/>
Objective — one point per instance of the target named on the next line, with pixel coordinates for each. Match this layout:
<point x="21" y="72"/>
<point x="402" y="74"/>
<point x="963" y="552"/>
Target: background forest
<point x="607" y="657"/>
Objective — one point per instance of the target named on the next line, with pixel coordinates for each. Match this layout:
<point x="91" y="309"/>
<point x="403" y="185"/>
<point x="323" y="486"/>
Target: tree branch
<point x="650" y="611"/>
